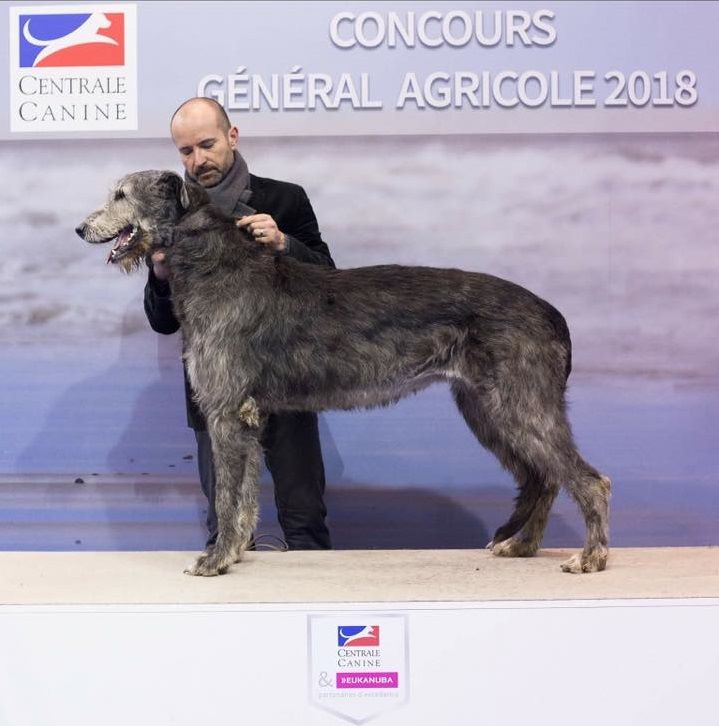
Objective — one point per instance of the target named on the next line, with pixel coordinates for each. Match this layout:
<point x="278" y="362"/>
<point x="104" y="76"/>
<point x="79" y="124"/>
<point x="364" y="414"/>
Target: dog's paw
<point x="593" y="561"/>
<point x="209" y="564"/>
<point x="573" y="564"/>
<point x="513" y="547"/>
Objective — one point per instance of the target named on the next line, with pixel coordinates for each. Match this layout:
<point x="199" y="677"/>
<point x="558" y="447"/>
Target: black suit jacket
<point x="290" y="207"/>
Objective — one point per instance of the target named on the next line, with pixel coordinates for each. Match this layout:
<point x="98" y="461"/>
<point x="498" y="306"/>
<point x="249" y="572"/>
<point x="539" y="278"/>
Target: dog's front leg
<point x="236" y="451"/>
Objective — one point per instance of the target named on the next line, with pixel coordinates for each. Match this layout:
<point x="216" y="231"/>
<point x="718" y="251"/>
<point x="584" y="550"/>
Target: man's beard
<point x="208" y="176"/>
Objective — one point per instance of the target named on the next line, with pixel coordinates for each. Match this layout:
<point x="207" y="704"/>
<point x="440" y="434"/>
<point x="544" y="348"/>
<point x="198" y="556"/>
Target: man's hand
<point x="264" y="230"/>
<point x="159" y="267"/>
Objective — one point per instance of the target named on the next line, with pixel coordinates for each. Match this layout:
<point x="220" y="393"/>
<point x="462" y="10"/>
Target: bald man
<point x="280" y="216"/>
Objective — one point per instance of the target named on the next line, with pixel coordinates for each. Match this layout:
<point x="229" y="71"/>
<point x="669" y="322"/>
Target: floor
<point x="353" y="576"/>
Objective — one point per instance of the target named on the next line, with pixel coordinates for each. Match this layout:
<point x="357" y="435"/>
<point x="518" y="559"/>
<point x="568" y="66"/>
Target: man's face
<point x="207" y="152"/>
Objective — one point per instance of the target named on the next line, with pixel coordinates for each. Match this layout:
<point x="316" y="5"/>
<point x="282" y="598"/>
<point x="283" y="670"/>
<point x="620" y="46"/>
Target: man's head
<point x="205" y="138"/>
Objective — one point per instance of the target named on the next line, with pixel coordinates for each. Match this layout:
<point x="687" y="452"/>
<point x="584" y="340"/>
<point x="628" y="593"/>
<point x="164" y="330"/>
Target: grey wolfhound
<point x="264" y="333"/>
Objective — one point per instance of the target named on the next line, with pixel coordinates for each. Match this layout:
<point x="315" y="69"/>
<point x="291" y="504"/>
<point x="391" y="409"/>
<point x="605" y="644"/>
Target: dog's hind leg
<point x="591" y="491"/>
<point x="534" y="419"/>
<point x="536" y="445"/>
<point x="521" y="534"/>
<point x="526" y="542"/>
<point x="237" y="454"/>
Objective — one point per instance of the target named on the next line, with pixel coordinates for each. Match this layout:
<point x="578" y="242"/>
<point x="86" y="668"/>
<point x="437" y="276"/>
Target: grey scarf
<point x="233" y="192"/>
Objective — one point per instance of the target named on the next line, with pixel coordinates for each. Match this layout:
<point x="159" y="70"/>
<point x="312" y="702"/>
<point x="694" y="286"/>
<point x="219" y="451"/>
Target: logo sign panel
<point x="359" y="664"/>
<point x="73" y="68"/>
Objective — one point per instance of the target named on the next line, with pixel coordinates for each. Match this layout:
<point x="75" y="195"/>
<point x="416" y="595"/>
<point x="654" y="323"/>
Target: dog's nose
<point x="80" y="229"/>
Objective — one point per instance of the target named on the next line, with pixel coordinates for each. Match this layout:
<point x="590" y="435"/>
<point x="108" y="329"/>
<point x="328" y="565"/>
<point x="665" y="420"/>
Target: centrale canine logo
<point x="71" y="39"/>
<point x="358" y="635"/>
<point x="73" y="68"/>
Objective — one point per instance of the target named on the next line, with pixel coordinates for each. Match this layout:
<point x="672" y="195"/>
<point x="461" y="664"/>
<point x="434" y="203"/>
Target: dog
<point x="264" y="333"/>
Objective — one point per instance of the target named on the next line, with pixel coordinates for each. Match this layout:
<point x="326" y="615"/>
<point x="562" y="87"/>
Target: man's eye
<point x="208" y="145"/>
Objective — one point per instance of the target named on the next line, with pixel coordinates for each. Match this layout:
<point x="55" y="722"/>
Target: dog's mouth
<point x="123" y="243"/>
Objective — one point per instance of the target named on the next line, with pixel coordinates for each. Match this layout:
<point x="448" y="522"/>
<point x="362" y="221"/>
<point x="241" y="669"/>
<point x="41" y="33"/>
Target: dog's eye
<point x="119" y="194"/>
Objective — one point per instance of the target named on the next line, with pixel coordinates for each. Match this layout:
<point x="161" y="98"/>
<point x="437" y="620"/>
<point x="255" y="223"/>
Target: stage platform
<point x="452" y="636"/>
<point x="52" y="578"/>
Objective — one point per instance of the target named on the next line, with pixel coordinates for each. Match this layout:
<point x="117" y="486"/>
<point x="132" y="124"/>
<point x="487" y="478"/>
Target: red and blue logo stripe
<point x="71" y="39"/>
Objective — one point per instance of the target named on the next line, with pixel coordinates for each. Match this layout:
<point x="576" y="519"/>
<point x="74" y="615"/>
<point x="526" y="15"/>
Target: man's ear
<point x="192" y="196"/>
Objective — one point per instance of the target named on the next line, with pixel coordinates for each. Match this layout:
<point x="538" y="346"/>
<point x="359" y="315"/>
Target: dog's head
<point x="140" y="214"/>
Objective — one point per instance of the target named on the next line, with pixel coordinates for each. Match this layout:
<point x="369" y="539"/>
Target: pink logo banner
<point x="367" y="680"/>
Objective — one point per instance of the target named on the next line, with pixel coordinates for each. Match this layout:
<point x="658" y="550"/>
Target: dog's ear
<point x="192" y="196"/>
<point x="170" y="185"/>
<point x="189" y="196"/>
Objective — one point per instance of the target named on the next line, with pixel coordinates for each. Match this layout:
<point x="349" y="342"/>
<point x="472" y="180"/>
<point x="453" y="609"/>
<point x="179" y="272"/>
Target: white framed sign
<point x="73" y="68"/>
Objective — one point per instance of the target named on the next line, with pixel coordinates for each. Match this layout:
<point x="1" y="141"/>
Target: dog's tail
<point x="560" y="325"/>
<point x="562" y="337"/>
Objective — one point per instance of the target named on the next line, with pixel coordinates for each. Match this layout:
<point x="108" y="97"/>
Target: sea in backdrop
<point x="617" y="231"/>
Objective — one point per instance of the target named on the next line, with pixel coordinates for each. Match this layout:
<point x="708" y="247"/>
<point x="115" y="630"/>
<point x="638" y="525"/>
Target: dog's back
<point x="383" y="330"/>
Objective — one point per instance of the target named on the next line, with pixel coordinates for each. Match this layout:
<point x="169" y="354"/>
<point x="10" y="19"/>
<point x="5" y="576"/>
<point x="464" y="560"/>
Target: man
<point x="278" y="215"/>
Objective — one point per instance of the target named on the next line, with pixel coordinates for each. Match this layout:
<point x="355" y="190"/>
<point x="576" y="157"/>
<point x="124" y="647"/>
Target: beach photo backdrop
<point x="607" y="212"/>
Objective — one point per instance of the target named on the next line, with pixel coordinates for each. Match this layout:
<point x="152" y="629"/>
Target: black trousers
<point x="294" y="458"/>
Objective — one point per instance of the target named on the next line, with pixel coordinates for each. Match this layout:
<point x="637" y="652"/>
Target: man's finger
<point x="250" y="218"/>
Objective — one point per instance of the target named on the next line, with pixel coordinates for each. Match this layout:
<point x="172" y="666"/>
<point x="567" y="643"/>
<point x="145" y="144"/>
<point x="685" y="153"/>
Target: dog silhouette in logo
<point x="86" y="33"/>
<point x="367" y="632"/>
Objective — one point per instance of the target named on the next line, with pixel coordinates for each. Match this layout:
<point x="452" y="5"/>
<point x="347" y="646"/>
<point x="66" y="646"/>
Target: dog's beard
<point x="131" y="259"/>
<point x="133" y="262"/>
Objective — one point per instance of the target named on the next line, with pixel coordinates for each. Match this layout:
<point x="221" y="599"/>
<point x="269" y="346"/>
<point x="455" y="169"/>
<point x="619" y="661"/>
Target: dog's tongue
<point x="120" y="240"/>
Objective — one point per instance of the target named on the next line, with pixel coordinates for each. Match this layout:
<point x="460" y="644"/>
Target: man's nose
<point x="198" y="157"/>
